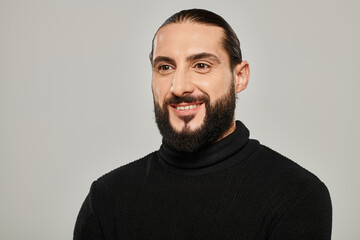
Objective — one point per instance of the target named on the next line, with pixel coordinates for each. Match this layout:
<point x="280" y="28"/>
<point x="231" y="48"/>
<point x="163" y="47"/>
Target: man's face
<point x="191" y="78"/>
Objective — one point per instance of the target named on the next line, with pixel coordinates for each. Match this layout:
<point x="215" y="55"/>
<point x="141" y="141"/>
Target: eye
<point x="163" y="68"/>
<point x="201" y="66"/>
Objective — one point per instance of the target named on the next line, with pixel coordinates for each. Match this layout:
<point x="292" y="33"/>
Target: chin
<point x="194" y="126"/>
<point x="187" y="125"/>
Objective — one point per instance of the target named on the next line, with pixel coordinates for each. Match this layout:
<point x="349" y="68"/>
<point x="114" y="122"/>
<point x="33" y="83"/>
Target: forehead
<point x="186" y="38"/>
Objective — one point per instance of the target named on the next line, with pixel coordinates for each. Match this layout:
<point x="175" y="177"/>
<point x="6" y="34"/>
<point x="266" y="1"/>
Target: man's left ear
<point x="241" y="75"/>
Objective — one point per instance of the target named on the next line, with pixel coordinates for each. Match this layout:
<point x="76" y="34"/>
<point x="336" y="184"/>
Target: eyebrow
<point x="163" y="59"/>
<point x="189" y="59"/>
<point x="204" y="55"/>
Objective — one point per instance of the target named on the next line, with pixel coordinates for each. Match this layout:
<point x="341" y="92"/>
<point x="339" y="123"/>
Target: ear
<point x="241" y="75"/>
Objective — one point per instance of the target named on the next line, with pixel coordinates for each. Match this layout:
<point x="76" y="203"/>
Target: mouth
<point x="186" y="108"/>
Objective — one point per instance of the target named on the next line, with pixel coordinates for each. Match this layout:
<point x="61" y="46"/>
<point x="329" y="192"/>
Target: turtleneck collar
<point x="213" y="157"/>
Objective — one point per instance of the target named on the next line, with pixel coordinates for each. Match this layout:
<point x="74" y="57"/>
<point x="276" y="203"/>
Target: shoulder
<point x="299" y="200"/>
<point x="279" y="164"/>
<point x="286" y="176"/>
<point x="126" y="175"/>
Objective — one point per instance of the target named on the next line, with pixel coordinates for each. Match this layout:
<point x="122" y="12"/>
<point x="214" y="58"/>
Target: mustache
<point x="187" y="99"/>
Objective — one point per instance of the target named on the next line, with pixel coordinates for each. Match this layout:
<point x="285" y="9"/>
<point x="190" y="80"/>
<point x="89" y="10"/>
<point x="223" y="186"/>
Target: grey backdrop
<point x="75" y="99"/>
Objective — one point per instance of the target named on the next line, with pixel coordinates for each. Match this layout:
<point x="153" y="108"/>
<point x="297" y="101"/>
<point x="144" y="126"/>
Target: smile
<point x="181" y="108"/>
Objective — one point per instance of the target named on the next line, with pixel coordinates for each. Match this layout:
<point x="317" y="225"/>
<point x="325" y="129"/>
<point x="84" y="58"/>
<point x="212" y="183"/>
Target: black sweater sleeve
<point x="307" y="217"/>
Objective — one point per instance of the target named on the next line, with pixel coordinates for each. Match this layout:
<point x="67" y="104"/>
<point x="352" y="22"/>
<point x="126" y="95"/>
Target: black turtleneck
<point x="235" y="188"/>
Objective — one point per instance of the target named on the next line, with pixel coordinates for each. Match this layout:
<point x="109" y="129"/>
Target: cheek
<point x="155" y="93"/>
<point x="215" y="85"/>
<point x="160" y="91"/>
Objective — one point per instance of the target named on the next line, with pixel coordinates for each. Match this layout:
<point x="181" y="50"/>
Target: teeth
<point x="187" y="107"/>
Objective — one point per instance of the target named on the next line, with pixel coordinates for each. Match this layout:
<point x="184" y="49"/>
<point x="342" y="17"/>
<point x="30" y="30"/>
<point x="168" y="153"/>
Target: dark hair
<point x="230" y="41"/>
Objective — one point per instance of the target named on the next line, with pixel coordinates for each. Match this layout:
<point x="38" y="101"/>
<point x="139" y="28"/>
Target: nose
<point x="181" y="83"/>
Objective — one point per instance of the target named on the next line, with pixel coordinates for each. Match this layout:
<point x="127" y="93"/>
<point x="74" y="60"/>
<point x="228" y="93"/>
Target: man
<point x="208" y="180"/>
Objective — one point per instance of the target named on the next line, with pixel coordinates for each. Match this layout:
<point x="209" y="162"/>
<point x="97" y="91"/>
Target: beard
<point x="218" y="119"/>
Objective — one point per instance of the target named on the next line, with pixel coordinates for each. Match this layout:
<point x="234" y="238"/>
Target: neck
<point x="213" y="157"/>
